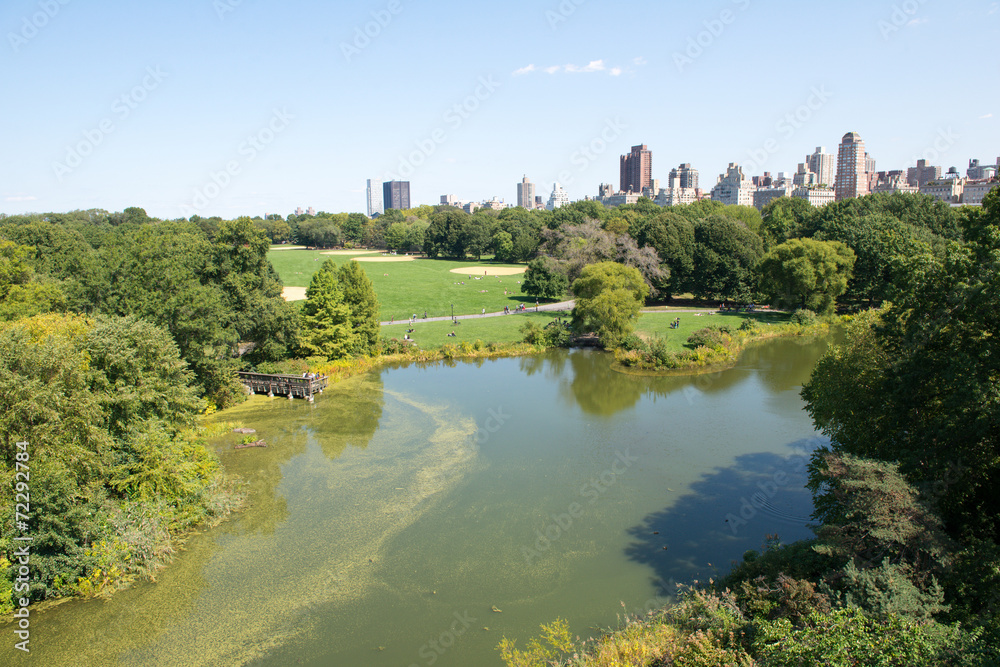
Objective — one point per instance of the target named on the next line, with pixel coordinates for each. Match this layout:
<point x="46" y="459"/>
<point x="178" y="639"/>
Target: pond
<point x="417" y="515"/>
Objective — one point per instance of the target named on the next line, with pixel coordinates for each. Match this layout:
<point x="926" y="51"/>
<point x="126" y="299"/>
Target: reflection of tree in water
<point x="725" y="514"/>
<point x="786" y="363"/>
<point x="596" y="388"/>
<point x="347" y="414"/>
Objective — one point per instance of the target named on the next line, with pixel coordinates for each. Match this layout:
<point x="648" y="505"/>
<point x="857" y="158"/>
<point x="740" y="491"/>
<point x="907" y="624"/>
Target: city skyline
<point x="193" y="117"/>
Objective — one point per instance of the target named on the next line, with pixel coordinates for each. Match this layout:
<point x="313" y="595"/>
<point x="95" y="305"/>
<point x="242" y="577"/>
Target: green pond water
<point x="388" y="520"/>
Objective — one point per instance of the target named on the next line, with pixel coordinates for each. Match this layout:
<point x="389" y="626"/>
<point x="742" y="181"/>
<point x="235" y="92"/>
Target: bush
<point x="633" y="343"/>
<point x="804" y="317"/>
<point x="708" y="337"/>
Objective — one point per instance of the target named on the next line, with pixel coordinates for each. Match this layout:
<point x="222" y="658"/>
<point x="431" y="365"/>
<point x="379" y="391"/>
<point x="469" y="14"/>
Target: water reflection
<point x="727" y="512"/>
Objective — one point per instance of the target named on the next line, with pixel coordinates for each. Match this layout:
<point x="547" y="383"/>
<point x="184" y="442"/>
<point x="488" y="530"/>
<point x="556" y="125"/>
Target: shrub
<point x="633" y="343"/>
<point x="804" y="317"/>
<point x="707" y="337"/>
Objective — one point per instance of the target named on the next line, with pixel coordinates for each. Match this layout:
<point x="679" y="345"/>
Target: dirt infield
<point x="294" y="293"/>
<point x="490" y="270"/>
<point x="351" y="252"/>
<point x="391" y="258"/>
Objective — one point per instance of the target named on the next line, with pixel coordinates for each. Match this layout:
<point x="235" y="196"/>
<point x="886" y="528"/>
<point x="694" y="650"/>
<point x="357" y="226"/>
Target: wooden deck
<point x="292" y="386"/>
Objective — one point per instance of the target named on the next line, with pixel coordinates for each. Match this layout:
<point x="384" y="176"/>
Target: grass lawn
<point x="422" y="285"/>
<point x="651" y="325"/>
<point x="507" y="329"/>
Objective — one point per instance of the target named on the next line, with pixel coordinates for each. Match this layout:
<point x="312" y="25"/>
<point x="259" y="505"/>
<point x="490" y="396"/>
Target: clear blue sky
<point x="113" y="104"/>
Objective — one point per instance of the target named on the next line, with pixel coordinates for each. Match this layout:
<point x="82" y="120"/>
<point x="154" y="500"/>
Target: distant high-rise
<point x="374" y="201"/>
<point x="558" y="198"/>
<point x="922" y="174"/>
<point x="637" y="169"/>
<point x="526" y="193"/>
<point x="733" y="187"/>
<point x="685" y="176"/>
<point x="852" y="179"/>
<point x="822" y="164"/>
<point x="396" y="194"/>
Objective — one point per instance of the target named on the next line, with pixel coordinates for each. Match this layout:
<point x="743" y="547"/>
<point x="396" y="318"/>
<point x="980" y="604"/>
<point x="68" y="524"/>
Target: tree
<point x="22" y="293"/>
<point x="726" y="255"/>
<point x="326" y="318"/>
<point x="446" y="235"/>
<point x="672" y="236"/>
<point x="784" y="218"/>
<point x="544" y="280"/>
<point x="503" y="246"/>
<point x="916" y="384"/>
<point x="806" y="273"/>
<point x="609" y="297"/>
<point x="360" y="298"/>
<point x="478" y="234"/>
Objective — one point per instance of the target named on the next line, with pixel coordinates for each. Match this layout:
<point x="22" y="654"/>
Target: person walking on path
<point x="484" y="312"/>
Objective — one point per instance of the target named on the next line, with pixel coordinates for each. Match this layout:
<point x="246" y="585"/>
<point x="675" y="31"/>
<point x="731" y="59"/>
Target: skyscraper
<point x="396" y="194"/>
<point x="558" y="198"/>
<point x="685" y="175"/>
<point x="852" y="179"/>
<point x="823" y="165"/>
<point x="637" y="169"/>
<point x="374" y="202"/>
<point x="526" y="193"/>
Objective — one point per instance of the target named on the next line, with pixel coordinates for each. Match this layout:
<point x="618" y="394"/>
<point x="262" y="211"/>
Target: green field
<point x="506" y="329"/>
<point x="658" y="324"/>
<point x="405" y="288"/>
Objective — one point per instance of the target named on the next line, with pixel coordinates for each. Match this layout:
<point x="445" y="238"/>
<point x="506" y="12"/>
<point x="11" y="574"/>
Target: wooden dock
<point x="292" y="386"/>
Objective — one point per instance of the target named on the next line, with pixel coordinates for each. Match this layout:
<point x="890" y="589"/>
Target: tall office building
<point x="852" y="179"/>
<point x="637" y="169"/>
<point x="686" y="177"/>
<point x="396" y="194"/>
<point x="822" y="164"/>
<point x="526" y="194"/>
<point x="374" y="201"/>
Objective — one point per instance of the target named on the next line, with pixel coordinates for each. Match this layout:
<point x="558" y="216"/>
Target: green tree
<point x="784" y="218"/>
<point x="360" y="298"/>
<point x="503" y="246"/>
<point x="806" y="273"/>
<point x="726" y="255"/>
<point x="609" y="298"/>
<point x="326" y="318"/>
<point x="672" y="236"/>
<point x="544" y="280"/>
<point x="446" y="235"/>
<point x="917" y="383"/>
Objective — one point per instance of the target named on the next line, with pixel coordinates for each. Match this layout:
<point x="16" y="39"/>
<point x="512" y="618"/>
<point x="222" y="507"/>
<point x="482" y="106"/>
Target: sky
<point x="250" y="107"/>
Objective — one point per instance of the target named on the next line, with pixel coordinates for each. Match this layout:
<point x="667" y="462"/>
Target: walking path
<point x="562" y="305"/>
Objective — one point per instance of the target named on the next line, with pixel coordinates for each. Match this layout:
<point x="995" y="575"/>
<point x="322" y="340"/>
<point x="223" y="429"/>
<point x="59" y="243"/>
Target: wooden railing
<point x="292" y="386"/>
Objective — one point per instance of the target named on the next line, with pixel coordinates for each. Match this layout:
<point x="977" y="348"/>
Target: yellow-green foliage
<point x="724" y="352"/>
<point x="554" y="642"/>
